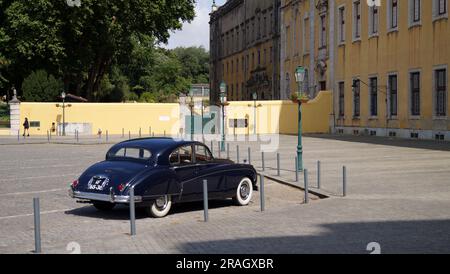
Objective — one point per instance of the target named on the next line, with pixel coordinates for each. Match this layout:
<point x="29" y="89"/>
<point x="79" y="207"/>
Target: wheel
<point x="104" y="206"/>
<point x="244" y="192"/>
<point x="160" y="207"/>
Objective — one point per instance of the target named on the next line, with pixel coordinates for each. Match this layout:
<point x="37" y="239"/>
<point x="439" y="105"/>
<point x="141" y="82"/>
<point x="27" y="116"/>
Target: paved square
<point x="398" y="196"/>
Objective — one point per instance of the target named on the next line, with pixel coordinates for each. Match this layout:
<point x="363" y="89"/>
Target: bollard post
<point x="262" y="198"/>
<point x="249" y="152"/>
<point x="153" y="134"/>
<point x="129" y="135"/>
<point x="205" y="199"/>
<point x="107" y="136"/>
<point x="262" y="160"/>
<point x="132" y="213"/>
<point x="318" y="174"/>
<point x="164" y="133"/>
<point x="140" y="132"/>
<point x="344" y="181"/>
<point x="219" y="150"/>
<point x="278" y="164"/>
<point x="78" y="137"/>
<point x="306" y="186"/>
<point x="18" y="136"/>
<point x="228" y="151"/>
<point x="237" y="154"/>
<point x="123" y="133"/>
<point x="296" y="169"/>
<point x="48" y="136"/>
<point x="37" y="226"/>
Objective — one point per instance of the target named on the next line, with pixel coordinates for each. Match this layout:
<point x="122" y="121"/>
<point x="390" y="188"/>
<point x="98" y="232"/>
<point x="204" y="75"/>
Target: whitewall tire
<point x="244" y="192"/>
<point x="160" y="207"/>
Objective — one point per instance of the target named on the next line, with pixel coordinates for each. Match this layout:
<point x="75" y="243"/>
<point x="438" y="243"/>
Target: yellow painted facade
<point x="422" y="47"/>
<point x="272" y="117"/>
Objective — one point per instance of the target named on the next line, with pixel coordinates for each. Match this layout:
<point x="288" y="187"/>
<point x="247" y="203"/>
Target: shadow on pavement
<point x="121" y="212"/>
<point x="420" y="144"/>
<point x="423" y="237"/>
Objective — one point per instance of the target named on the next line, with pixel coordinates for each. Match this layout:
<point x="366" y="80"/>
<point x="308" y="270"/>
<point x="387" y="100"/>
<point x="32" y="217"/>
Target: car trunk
<point x="102" y="176"/>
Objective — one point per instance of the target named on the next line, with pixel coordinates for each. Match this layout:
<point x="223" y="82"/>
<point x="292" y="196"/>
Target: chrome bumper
<point x="112" y="198"/>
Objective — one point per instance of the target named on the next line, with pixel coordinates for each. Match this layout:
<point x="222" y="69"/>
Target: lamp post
<point x="63" y="106"/>
<point x="191" y="106"/>
<point x="223" y="103"/>
<point x="255" y="106"/>
<point x="300" y="98"/>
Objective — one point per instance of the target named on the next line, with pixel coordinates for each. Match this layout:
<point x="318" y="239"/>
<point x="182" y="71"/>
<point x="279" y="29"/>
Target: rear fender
<point x="157" y="183"/>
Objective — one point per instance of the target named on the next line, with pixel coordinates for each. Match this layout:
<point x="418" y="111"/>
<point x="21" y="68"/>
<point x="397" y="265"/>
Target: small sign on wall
<point x="164" y="118"/>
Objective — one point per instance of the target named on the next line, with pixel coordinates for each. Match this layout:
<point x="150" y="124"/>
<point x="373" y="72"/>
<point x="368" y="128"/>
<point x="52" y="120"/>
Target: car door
<point x="207" y="171"/>
<point x="183" y="164"/>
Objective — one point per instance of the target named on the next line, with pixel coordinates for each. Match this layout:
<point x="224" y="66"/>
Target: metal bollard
<point x="262" y="198"/>
<point x="78" y="137"/>
<point x="296" y="169"/>
<point x="318" y="174"/>
<point x="237" y="154"/>
<point x="140" y="132"/>
<point x="132" y="213"/>
<point x="344" y="181"/>
<point x="218" y="149"/>
<point x="48" y="136"/>
<point x="249" y="154"/>
<point x="18" y="135"/>
<point x="262" y="160"/>
<point x="228" y="151"/>
<point x="107" y="136"/>
<point x="278" y="164"/>
<point x="37" y="226"/>
<point x="123" y="133"/>
<point x="306" y="186"/>
<point x="129" y="135"/>
<point x="212" y="147"/>
<point x="205" y="199"/>
<point x="164" y="133"/>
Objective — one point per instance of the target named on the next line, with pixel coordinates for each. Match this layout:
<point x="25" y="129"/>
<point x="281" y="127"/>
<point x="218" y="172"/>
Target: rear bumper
<point x="112" y="198"/>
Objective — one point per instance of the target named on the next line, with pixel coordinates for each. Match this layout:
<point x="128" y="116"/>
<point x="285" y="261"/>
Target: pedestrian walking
<point x="26" y="128"/>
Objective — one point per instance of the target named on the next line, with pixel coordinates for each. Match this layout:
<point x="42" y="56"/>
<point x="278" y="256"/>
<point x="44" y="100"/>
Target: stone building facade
<point x="245" y="49"/>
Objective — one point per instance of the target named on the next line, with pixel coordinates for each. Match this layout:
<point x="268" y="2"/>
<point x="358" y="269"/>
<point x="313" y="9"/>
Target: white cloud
<point x="197" y="32"/>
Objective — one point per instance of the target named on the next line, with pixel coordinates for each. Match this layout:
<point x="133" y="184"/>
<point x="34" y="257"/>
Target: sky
<point x="197" y="32"/>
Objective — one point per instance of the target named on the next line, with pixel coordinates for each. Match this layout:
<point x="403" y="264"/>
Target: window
<point x="341" y="31"/>
<point x="415" y="93"/>
<point x="356" y="20"/>
<point x="393" y="14"/>
<point x="440" y="7"/>
<point x="306" y="35"/>
<point x="373" y="96"/>
<point x="356" y="98"/>
<point x="259" y="57"/>
<point x="130" y="153"/>
<point x="341" y="99"/>
<point x="35" y="124"/>
<point x="182" y="155"/>
<point x="414" y="12"/>
<point x="373" y="20"/>
<point x="441" y="92"/>
<point x="323" y="32"/>
<point x="392" y="83"/>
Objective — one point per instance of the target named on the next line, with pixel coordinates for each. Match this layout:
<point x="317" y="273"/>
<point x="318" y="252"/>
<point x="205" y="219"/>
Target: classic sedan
<point x="162" y="171"/>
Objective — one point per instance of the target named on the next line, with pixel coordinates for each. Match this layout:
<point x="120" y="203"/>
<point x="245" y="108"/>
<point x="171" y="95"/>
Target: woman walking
<point x="26" y="128"/>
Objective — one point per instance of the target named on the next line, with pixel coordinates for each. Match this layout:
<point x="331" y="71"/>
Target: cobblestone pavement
<point x="398" y="196"/>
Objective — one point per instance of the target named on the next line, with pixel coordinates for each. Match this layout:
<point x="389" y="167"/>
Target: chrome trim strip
<point x="103" y="197"/>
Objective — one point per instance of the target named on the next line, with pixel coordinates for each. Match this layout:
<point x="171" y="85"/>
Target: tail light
<point x="75" y="184"/>
<point x="121" y="187"/>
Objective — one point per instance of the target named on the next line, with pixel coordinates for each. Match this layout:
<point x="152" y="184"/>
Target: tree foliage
<point x="83" y="44"/>
<point x="41" y="87"/>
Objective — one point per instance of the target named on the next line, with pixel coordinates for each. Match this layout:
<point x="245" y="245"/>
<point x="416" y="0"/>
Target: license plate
<point x="98" y="183"/>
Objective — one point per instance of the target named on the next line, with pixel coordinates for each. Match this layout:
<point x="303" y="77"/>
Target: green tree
<point x="195" y="63"/>
<point x="41" y="87"/>
<point x="80" y="44"/>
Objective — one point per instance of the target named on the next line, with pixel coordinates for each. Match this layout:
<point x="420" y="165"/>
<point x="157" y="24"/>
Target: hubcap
<point x="161" y="203"/>
<point x="244" y="191"/>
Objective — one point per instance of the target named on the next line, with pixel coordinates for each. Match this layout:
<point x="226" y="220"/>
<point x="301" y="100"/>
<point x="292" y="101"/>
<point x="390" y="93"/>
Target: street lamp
<point x="255" y="98"/>
<point x="191" y="106"/>
<point x="223" y="103"/>
<point x="300" y="98"/>
<point x="64" y="106"/>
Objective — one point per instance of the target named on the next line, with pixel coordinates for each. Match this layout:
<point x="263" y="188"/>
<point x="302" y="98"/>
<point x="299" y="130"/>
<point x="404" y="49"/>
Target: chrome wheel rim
<point x="244" y="191"/>
<point x="161" y="203"/>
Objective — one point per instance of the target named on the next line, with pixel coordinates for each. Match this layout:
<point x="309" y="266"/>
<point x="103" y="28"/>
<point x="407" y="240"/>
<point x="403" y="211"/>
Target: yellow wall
<point x="281" y="116"/>
<point x="420" y="48"/>
<point x="272" y="116"/>
<point x="111" y="117"/>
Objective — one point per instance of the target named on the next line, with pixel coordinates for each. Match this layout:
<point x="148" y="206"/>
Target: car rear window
<point x="132" y="153"/>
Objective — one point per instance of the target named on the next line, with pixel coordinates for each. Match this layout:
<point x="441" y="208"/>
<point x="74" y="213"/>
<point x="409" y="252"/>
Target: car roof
<point x="156" y="145"/>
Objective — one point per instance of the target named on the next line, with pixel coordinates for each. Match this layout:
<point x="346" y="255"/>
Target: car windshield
<point x="131" y="153"/>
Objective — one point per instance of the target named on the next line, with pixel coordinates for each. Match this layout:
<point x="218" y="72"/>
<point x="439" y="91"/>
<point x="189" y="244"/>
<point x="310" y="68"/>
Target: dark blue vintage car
<point x="162" y="171"/>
